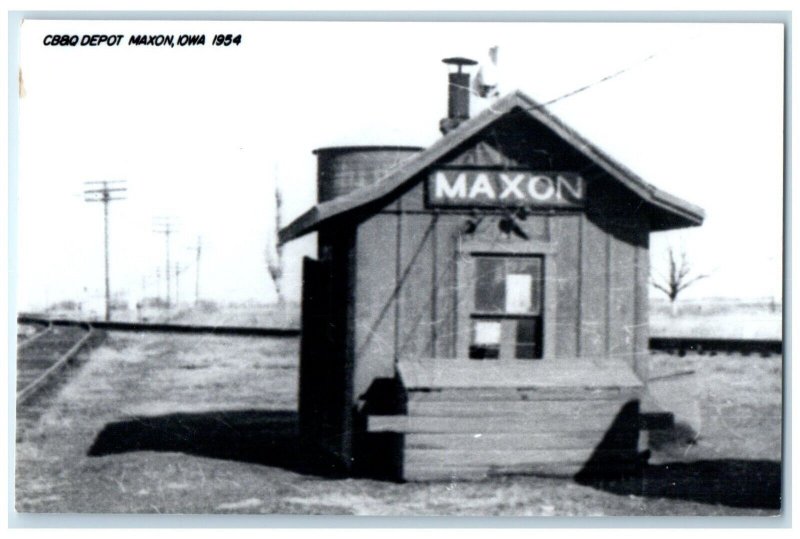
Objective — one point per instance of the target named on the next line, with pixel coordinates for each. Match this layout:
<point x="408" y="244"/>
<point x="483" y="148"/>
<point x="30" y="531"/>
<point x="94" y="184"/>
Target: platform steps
<point x="473" y="434"/>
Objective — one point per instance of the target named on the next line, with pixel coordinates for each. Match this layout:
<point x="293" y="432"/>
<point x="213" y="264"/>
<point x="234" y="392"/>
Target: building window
<point x="506" y="314"/>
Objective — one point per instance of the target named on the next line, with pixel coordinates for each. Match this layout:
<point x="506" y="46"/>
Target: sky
<point x="202" y="135"/>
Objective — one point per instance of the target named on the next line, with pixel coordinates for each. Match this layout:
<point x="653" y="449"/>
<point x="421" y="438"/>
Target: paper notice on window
<point x="518" y="292"/>
<point x="487" y="333"/>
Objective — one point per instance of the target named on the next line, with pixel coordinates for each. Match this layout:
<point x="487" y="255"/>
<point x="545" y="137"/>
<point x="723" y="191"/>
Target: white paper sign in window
<point x="487" y="332"/>
<point x="518" y="292"/>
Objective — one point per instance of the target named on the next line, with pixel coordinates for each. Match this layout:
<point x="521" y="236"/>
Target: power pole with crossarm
<point x="164" y="225"/>
<point x="105" y="191"/>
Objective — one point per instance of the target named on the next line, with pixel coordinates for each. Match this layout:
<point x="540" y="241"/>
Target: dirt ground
<point x="164" y="424"/>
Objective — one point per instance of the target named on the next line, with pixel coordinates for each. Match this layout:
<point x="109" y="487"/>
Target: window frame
<point x="468" y="252"/>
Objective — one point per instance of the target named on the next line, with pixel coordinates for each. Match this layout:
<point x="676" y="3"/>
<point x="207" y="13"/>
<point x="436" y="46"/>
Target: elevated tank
<point x="341" y="169"/>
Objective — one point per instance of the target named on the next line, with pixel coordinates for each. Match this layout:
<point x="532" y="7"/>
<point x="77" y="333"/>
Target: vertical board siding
<point x="416" y="285"/>
<point x="446" y="293"/>
<point x="593" y="290"/>
<point x="565" y="232"/>
<point x="414" y="198"/>
<point x="376" y="248"/>
<point x="642" y="320"/>
<point x="622" y="299"/>
<point x="407" y="292"/>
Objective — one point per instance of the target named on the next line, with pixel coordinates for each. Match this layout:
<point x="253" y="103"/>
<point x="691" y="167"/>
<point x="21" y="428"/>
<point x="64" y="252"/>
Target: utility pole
<point x="163" y="225"/>
<point x="197" y="271"/>
<point x="178" y="271"/>
<point x="105" y="191"/>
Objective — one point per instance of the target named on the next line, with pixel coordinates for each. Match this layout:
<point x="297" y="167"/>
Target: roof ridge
<point x="396" y="178"/>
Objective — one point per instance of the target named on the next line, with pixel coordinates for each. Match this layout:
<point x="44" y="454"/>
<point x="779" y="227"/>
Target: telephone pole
<point x="163" y="225"/>
<point x="197" y="272"/>
<point x="105" y="191"/>
<point x="178" y="271"/>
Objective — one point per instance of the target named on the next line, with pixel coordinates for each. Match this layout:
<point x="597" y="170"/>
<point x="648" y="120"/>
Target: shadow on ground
<point x="268" y="437"/>
<point x="731" y="482"/>
<point x="271" y="438"/>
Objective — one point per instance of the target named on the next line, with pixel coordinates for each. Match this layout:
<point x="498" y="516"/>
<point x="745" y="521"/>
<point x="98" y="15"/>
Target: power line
<point x="617" y="73"/>
<point x="164" y="225"/>
<point x="105" y="191"/>
<point x="197" y="270"/>
<point x="598" y="81"/>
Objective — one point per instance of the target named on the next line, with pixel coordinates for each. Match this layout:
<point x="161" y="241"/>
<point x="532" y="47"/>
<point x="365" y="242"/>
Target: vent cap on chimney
<point x="458" y="89"/>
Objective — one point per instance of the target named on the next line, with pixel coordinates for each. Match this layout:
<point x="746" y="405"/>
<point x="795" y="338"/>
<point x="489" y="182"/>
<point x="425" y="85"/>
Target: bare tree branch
<point x="660" y="287"/>
<point x="678" y="278"/>
<point x="275" y="256"/>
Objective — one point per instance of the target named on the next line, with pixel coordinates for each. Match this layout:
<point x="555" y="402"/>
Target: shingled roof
<point x="669" y="211"/>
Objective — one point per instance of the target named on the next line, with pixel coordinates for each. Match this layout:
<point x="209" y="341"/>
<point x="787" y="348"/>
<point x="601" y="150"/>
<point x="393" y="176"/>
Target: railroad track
<point x="671" y="345"/>
<point x="708" y="346"/>
<point x="42" y="360"/>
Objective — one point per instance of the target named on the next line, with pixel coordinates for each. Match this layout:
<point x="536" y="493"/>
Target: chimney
<point x="458" y="89"/>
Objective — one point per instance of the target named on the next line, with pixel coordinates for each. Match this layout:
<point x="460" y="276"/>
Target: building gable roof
<point x="670" y="211"/>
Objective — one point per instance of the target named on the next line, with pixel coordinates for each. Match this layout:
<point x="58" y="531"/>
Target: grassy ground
<point x="717" y="319"/>
<point x="161" y="424"/>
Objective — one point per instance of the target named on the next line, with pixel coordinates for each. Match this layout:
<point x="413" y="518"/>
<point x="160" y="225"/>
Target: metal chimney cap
<point x="459" y="61"/>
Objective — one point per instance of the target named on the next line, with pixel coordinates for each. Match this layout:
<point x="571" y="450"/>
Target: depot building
<point x="479" y="306"/>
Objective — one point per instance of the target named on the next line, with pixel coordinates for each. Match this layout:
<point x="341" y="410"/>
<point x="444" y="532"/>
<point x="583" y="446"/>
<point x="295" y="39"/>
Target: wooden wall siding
<point x="375" y="308"/>
<point x="596" y="274"/>
<point x="594" y="284"/>
<point x="414" y="199"/>
<point x="417" y="297"/>
<point x="407" y="252"/>
<point x="622" y="299"/>
<point x="529" y="143"/>
<point x="601" y="268"/>
<point x="326" y="364"/>
<point x="642" y="306"/>
<point x="566" y="234"/>
<point x="444" y="328"/>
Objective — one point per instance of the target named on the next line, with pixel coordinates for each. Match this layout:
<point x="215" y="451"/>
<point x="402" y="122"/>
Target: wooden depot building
<point x="480" y="306"/>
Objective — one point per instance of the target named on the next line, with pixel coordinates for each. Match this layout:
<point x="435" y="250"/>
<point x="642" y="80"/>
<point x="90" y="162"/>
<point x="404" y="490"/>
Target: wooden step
<point x="560" y="393"/>
<point x="555" y="423"/>
<point x="515" y="408"/>
<point x="507" y="441"/>
<point x="477" y="473"/>
<point x="455" y="472"/>
<point x="498" y="457"/>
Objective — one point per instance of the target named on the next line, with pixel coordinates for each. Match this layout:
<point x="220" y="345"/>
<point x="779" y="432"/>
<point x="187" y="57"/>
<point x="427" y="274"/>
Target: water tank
<point x="342" y="169"/>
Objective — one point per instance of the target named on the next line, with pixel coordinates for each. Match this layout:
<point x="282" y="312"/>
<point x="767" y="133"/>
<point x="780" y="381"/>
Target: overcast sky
<point x="202" y="134"/>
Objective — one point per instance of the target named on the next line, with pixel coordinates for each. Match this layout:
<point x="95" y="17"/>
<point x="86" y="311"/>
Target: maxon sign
<point x="465" y="187"/>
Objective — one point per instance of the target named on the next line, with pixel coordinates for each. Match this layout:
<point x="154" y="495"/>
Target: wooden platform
<point x="472" y="419"/>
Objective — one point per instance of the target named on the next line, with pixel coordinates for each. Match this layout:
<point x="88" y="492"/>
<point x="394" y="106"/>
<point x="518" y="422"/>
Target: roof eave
<point x="300" y="226"/>
<point x="680" y="213"/>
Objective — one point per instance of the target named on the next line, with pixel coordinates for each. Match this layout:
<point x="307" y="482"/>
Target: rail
<point x="231" y="331"/>
<point x="27" y="342"/>
<point x="25" y="393"/>
<point x="665" y="344"/>
<point x="704" y="345"/>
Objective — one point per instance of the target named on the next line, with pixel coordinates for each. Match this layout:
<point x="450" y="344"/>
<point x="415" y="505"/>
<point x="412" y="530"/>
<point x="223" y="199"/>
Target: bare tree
<point x="275" y="251"/>
<point x="679" y="278"/>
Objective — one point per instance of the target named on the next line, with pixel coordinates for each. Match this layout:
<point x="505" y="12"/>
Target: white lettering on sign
<point x="575" y="189"/>
<point x="481" y="186"/>
<point x="541" y="188"/>
<point x="458" y="189"/>
<point x="466" y="187"/>
<point x="511" y="185"/>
